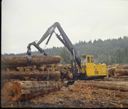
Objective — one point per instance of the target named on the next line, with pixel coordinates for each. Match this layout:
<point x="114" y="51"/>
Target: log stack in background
<point x="111" y="85"/>
<point x="27" y="77"/>
<point x="118" y="70"/>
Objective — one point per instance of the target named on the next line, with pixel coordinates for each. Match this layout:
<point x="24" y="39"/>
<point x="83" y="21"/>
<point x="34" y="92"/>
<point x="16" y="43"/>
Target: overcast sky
<point x="24" y="21"/>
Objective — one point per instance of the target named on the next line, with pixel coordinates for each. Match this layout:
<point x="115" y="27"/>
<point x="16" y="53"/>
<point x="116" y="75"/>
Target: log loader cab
<point x="91" y="70"/>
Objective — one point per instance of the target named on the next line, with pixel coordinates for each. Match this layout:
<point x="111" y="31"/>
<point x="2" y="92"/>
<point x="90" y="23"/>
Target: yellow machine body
<point x="91" y="69"/>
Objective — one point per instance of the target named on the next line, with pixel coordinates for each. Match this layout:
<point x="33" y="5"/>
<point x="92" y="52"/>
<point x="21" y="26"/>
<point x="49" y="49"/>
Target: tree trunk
<point x="24" y="90"/>
<point x="121" y="72"/>
<point x="111" y="85"/>
<point x="17" y="61"/>
<point x="123" y="66"/>
<point x="31" y="75"/>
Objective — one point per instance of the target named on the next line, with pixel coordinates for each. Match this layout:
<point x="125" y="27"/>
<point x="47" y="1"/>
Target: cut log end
<point x="11" y="91"/>
<point x="24" y="90"/>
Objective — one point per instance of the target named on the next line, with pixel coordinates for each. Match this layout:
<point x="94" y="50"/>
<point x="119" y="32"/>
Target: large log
<point x="121" y="72"/>
<point x="123" y="66"/>
<point x="24" y="90"/>
<point x="31" y="75"/>
<point x="111" y="85"/>
<point x="15" y="61"/>
<point x="117" y="72"/>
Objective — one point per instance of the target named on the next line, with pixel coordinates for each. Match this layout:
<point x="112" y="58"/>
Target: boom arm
<point x="62" y="37"/>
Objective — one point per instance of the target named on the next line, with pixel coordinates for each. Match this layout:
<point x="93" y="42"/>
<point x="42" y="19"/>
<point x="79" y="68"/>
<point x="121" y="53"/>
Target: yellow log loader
<point x="80" y="70"/>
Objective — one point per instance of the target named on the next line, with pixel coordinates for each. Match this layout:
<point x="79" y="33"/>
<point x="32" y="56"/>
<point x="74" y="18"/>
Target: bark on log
<point x="121" y="72"/>
<point x="118" y="72"/>
<point x="124" y="66"/>
<point x="111" y="85"/>
<point x="24" y="90"/>
<point x="17" y="61"/>
<point x="32" y="75"/>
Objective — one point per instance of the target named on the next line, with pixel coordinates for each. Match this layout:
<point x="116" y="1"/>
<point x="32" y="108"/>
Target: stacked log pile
<point x="118" y="70"/>
<point x="27" y="77"/>
<point x="35" y="75"/>
<point x="24" y="90"/>
<point x="17" y="61"/>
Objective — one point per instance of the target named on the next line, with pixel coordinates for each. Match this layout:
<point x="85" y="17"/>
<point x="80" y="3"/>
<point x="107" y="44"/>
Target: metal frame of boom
<point x="65" y="40"/>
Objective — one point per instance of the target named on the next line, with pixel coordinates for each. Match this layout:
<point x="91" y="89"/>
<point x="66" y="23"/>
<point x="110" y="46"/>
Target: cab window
<point x="88" y="59"/>
<point x="92" y="60"/>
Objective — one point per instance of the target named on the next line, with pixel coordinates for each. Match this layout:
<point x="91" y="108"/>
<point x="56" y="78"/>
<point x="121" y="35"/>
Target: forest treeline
<point x="108" y="51"/>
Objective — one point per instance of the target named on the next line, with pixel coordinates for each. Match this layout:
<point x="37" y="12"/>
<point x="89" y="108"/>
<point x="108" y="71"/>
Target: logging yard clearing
<point x="41" y="85"/>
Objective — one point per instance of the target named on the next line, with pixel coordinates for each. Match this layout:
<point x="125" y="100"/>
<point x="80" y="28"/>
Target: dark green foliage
<point x="66" y="55"/>
<point x="109" y="51"/>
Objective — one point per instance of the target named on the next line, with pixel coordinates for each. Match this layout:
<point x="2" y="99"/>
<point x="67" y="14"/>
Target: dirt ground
<point x="79" y="95"/>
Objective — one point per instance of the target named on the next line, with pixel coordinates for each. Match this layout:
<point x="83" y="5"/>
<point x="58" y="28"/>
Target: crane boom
<point x="64" y="39"/>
